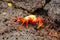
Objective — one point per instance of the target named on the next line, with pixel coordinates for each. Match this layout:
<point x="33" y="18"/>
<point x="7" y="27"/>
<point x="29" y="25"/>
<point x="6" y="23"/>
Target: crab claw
<point x="40" y="23"/>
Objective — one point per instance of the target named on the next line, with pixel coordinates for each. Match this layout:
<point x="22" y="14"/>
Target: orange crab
<point x="29" y="19"/>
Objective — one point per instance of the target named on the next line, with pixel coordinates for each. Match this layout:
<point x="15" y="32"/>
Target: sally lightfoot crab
<point x="29" y="19"/>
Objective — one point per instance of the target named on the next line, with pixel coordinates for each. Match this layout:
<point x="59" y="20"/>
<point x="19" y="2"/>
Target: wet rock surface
<point x="53" y="8"/>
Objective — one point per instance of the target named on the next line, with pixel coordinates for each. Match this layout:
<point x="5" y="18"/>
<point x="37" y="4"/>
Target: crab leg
<point x="23" y="21"/>
<point x="21" y="25"/>
<point x="18" y="20"/>
<point x="12" y="23"/>
<point x="27" y="24"/>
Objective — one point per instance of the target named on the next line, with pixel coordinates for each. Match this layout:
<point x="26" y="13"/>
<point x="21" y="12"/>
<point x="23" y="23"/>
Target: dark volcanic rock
<point x="54" y="10"/>
<point x="29" y="5"/>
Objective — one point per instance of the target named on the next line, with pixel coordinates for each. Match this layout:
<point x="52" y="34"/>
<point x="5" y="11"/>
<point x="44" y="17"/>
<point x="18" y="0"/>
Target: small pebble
<point x="4" y="13"/>
<point x="10" y="4"/>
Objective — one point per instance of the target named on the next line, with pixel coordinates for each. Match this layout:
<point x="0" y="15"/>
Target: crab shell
<point x="31" y="18"/>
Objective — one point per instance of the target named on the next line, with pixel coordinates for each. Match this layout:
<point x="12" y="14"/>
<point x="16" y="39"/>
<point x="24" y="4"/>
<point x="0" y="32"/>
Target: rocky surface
<point x="29" y="5"/>
<point x="29" y="34"/>
<point x="49" y="30"/>
<point x="53" y="8"/>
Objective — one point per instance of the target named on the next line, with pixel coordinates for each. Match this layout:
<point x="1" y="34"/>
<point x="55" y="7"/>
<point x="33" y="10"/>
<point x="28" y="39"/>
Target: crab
<point x="29" y="19"/>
